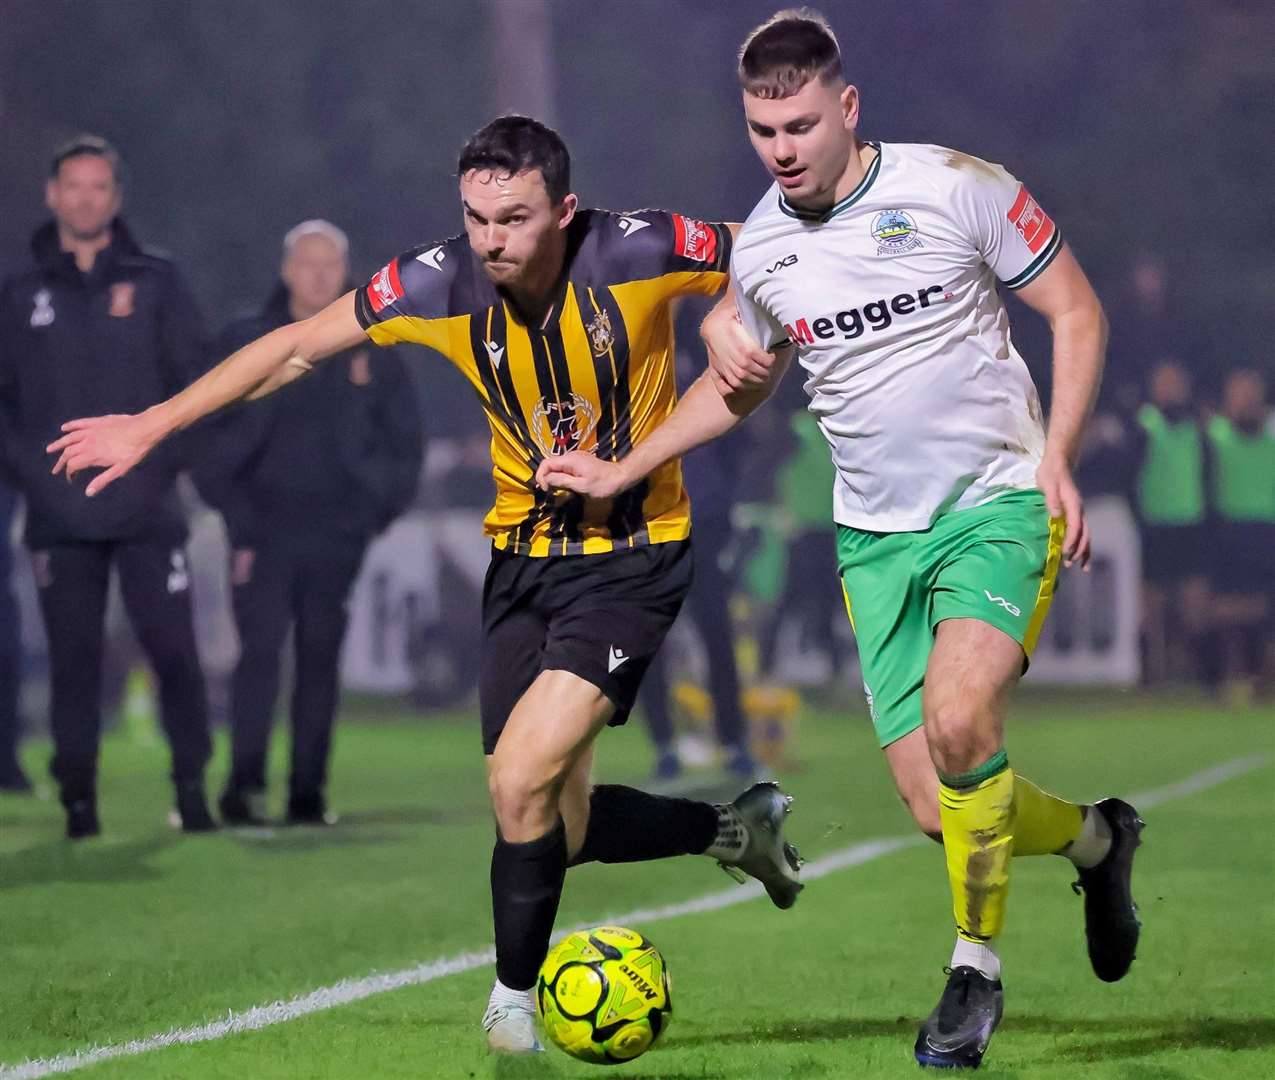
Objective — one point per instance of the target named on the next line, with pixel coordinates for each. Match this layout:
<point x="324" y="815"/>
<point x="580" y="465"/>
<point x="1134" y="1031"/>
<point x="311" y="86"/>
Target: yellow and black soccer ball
<point x="603" y="995"/>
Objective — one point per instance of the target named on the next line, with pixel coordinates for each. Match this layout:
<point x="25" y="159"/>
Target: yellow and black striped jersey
<point x="599" y="376"/>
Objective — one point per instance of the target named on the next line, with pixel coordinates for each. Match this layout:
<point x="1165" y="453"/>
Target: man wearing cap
<point x="96" y="322"/>
<point x="304" y="480"/>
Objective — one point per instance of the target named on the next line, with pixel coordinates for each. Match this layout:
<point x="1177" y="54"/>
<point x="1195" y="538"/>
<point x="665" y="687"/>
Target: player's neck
<point x="856" y="169"/>
<point x="83" y="250"/>
<point x="535" y="294"/>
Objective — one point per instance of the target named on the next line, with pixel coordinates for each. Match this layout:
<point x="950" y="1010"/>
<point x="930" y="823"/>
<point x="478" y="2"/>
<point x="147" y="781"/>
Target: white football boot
<point x="510" y="1023"/>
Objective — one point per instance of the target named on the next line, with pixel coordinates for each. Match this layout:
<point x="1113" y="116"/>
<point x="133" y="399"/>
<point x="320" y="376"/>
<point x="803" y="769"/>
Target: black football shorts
<point x="601" y="617"/>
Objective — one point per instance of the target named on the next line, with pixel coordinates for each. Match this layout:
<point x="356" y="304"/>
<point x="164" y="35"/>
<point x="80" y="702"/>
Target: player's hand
<point x="582" y="473"/>
<point x="111" y="443"/>
<point x="735" y="360"/>
<point x="1063" y="499"/>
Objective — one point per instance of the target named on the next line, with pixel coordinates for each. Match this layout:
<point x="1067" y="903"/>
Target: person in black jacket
<point x="304" y="480"/>
<point x="96" y="322"/>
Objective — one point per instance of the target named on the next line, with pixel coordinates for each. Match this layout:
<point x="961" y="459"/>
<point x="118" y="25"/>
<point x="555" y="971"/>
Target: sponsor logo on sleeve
<point x="386" y="288"/>
<point x="1033" y="224"/>
<point x="694" y="240"/>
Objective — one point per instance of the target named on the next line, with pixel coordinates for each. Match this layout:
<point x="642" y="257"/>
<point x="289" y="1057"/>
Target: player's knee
<point x="523" y="798"/>
<point x="952" y="731"/>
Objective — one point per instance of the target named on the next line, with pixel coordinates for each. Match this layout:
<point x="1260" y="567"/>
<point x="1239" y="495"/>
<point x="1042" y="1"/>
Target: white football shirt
<point x="890" y="297"/>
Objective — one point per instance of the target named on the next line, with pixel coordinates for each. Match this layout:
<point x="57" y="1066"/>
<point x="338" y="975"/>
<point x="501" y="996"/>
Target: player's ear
<point x="567" y="209"/>
<point x="850" y="107"/>
<point x="50" y="194"/>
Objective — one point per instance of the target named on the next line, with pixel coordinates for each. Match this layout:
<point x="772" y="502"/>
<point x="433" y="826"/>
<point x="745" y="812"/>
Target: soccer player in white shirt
<point x="876" y="266"/>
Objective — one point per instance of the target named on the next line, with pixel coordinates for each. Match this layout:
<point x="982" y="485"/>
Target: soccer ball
<point x="603" y="995"/>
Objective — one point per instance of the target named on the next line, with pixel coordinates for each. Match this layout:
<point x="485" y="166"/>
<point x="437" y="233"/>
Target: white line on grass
<point x="350" y="990"/>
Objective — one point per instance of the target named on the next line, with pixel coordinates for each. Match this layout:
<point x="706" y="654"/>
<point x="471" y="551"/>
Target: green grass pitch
<point x="144" y="930"/>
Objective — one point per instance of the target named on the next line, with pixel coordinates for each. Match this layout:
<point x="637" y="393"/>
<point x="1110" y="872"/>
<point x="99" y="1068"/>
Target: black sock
<point x="627" y="825"/>
<point x="526" y="884"/>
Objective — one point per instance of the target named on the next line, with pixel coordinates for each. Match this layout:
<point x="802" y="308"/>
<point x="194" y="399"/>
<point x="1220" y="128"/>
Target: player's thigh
<point x="889" y="614"/>
<point x="614" y="615"/>
<point x="973" y="669"/>
<point x="513" y="641"/>
<point x="996" y="564"/>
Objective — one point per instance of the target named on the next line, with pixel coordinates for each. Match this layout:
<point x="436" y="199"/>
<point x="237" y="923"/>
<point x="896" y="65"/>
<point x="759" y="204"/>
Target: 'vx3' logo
<point x="1013" y="609"/>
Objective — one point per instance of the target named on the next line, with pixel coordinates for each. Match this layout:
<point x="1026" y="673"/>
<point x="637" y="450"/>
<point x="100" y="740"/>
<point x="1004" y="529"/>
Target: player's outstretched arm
<point x="1064" y="296"/>
<point x="116" y="443"/>
<point x="702" y="415"/>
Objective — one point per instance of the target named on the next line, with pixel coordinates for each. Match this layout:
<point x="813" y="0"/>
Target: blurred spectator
<point x="1171" y="509"/>
<point x="304" y="479"/>
<point x="1148" y="329"/>
<point x="811" y="595"/>
<point x="96" y="324"/>
<point x="1241" y="474"/>
<point x="12" y="778"/>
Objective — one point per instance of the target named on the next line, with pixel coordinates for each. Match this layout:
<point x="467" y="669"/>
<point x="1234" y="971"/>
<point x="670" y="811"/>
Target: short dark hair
<point x="513" y="144"/>
<point x="88" y="146"/>
<point x="786" y="51"/>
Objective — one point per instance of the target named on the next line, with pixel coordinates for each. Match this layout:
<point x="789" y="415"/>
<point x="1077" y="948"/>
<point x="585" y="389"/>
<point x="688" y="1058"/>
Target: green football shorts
<point x="996" y="563"/>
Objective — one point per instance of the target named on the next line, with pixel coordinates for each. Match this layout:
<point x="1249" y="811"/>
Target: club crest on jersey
<point x="42" y="313"/>
<point x="895" y="232"/>
<point x="561" y="426"/>
<point x="123" y="294"/>
<point x="601" y="336"/>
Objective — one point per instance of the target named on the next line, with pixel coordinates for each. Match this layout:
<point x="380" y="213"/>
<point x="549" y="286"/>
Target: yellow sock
<point x="1043" y="823"/>
<point x="976" y="810"/>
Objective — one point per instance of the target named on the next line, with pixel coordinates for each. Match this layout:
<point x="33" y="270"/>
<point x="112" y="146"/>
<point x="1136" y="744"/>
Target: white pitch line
<point x="351" y="990"/>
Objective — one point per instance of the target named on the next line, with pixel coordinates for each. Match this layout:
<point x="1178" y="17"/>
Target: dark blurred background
<point x="1143" y="126"/>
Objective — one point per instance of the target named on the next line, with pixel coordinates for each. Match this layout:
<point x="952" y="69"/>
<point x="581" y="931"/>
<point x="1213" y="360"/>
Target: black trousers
<point x="286" y="583"/>
<point x="72" y="580"/>
<point x="708" y="604"/>
<point x="10" y="666"/>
